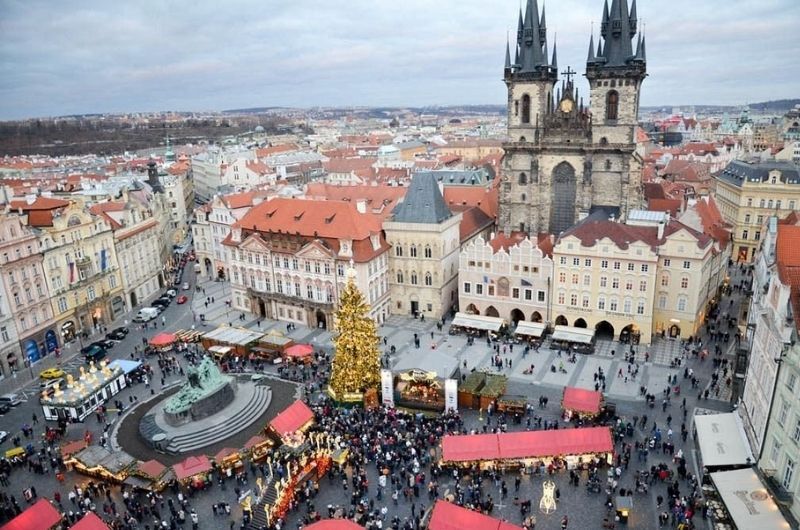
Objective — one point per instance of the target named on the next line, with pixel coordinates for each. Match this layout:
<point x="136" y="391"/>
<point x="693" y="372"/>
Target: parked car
<point x="105" y="343"/>
<point x="182" y="299"/>
<point x="3" y="436"/>
<point x="4" y="407"/>
<point x="51" y="373"/>
<point x="11" y="399"/>
<point x="171" y="293"/>
<point x="185" y="286"/>
<point x="116" y="334"/>
<point x="94" y="352"/>
<point x="162" y="304"/>
<point x="146" y="314"/>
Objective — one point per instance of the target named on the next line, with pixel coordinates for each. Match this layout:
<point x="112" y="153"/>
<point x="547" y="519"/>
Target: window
<point x="307" y="266"/>
<point x="526" y="108"/>
<point x="340" y="269"/>
<point x="515" y="292"/>
<point x="573" y="299"/>
<point x="796" y="433"/>
<point x="539" y="296"/>
<point x="601" y="303"/>
<point x="629" y="285"/>
<point x="563" y="260"/>
<point x="788" y="473"/>
<point x="665" y="280"/>
<point x="685" y="282"/>
<point x="90" y="294"/>
<point x="615" y="283"/>
<point x="616" y="265"/>
<point x="576" y="262"/>
<point x="687" y="264"/>
<point x="790" y="383"/>
<point x="603" y="281"/>
<point x="775" y="451"/>
<point x="762" y="203"/>
<point x="478" y="288"/>
<point x="612" y="306"/>
<point x="561" y="297"/>
<point x="310" y="292"/>
<point x="626" y="305"/>
<point x="640" y="307"/>
<point x="398" y="251"/>
<point x="604" y="264"/>
<point x="297" y="290"/>
<point x="523" y="179"/>
<point x="587" y="280"/>
<point x="667" y="262"/>
<point x="662" y="301"/>
<point x="645" y="267"/>
<point x="612" y="105"/>
<point x="642" y="286"/>
<point x="528" y="294"/>
<point x="631" y="267"/>
<point x="467" y="287"/>
<point x="428" y="279"/>
<point x="585" y="303"/>
<point x="4" y="334"/>
<point x="749" y="201"/>
<point x="574" y="279"/>
<point x="327" y="268"/>
<point x="279" y="285"/>
<point x="562" y="277"/>
<point x="757" y="235"/>
<point x="428" y="252"/>
<point x="587" y="262"/>
<point x="400" y="279"/>
<point x="413" y="251"/>
<point x="747" y="219"/>
<point x="682" y="303"/>
<point x="285" y="263"/>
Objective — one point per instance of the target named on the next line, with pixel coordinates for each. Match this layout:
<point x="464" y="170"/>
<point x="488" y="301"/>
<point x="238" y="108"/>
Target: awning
<point x="571" y="334"/>
<point x="531" y="329"/>
<point x="581" y="400"/>
<point x="222" y="350"/>
<point x="90" y="521"/>
<point x="194" y="465"/>
<point x="747" y="500"/>
<point x="125" y="365"/>
<point x="334" y="524"/>
<point x="449" y="516"/>
<point x="722" y="440"/>
<point x="466" y="320"/>
<point x="299" y="350"/>
<point x="151" y="468"/>
<point x="292" y="418"/>
<point x="235" y="336"/>
<point x="41" y="515"/>
<point x="530" y="444"/>
<point x="162" y="339"/>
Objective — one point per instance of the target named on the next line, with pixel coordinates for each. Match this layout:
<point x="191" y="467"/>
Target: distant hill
<point x="777" y="105"/>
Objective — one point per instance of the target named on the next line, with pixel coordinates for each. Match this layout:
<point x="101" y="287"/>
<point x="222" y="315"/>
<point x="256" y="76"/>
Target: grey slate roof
<point x="617" y="28"/>
<point x="464" y="177"/>
<point x="738" y="171"/>
<point x="423" y="202"/>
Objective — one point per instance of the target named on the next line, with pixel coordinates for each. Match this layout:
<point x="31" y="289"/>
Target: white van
<point x="146" y="314"/>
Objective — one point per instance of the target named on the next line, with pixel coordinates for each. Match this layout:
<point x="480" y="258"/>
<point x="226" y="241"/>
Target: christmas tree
<point x="356" y="365"/>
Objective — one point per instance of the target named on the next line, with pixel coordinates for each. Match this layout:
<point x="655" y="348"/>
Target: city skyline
<point x="148" y="57"/>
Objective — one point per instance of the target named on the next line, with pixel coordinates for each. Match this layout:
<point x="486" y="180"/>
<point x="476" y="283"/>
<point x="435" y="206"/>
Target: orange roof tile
<point x="484" y="198"/>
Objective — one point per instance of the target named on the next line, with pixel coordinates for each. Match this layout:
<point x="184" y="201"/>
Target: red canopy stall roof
<point x="41" y="515"/>
<point x="299" y="350"/>
<point x="90" y="521"/>
<point x="162" y="339"/>
<point x="292" y="418"/>
<point x="151" y="468"/>
<point x="581" y="400"/>
<point x="254" y="441"/>
<point x="334" y="524"/>
<point x="449" y="516"/>
<point x="70" y="448"/>
<point x="224" y="453"/>
<point x="192" y="466"/>
<point x="531" y="444"/>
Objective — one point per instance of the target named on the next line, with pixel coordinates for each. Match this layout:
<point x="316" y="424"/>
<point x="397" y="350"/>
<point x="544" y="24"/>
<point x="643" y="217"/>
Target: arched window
<point x="399" y="276"/>
<point x="523" y="197"/>
<point x="428" y="252"/>
<point x="413" y="251"/>
<point x="523" y="178"/>
<point x="428" y="279"/>
<point x="612" y="105"/>
<point x="608" y="165"/>
<point x="398" y="251"/>
<point x="414" y="278"/>
<point x="526" y="109"/>
<point x="516" y="108"/>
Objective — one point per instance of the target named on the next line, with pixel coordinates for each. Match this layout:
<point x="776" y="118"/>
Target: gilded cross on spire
<point x="569" y="73"/>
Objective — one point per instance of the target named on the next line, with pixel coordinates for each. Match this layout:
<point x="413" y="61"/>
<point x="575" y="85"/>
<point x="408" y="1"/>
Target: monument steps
<point x="259" y="516"/>
<point x="256" y="405"/>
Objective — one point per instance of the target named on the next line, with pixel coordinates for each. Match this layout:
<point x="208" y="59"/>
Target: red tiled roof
<point x="102" y="208"/>
<point x="654" y="190"/>
<point x="591" y="231"/>
<point x="41" y="515"/>
<point x="787" y="256"/>
<point x="348" y="165"/>
<point x="486" y="198"/>
<point x="234" y="201"/>
<point x="264" y="152"/>
<point x="671" y="206"/>
<point x="449" y="516"/>
<point x="40" y="203"/>
<point x="90" y="521"/>
<point x="505" y="242"/>
<point x="292" y="419"/>
<point x="379" y="200"/>
<point x="473" y="221"/>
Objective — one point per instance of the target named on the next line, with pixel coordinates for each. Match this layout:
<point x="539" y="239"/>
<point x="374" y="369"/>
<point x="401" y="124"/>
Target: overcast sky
<point x="62" y="57"/>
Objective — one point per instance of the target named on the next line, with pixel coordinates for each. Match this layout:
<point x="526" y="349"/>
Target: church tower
<point x="530" y="80"/>
<point x="564" y="160"/>
<point x="615" y="73"/>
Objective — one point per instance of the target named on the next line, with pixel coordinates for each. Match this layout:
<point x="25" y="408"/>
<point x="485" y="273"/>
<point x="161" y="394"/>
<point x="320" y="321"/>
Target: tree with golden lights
<point x="356" y="364"/>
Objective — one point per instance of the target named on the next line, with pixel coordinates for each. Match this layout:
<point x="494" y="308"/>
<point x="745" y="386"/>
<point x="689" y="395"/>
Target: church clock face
<point x="566" y="105"/>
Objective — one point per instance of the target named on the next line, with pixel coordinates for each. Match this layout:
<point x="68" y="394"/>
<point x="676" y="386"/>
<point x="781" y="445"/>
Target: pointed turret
<point x="642" y="53"/>
<point x="632" y="19"/>
<point x="554" y="62"/>
<point x="543" y="30"/>
<point x="508" y="57"/>
<point x="590" y="56"/>
<point x="519" y="28"/>
<point x="617" y="30"/>
<point x="604" y="21"/>
<point x="533" y="36"/>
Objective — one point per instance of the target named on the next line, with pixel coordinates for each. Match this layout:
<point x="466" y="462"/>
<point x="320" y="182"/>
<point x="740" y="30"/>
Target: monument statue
<point x="205" y="392"/>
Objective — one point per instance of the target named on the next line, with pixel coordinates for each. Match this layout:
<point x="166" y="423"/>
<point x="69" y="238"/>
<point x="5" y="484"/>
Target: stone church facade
<point x="564" y="160"/>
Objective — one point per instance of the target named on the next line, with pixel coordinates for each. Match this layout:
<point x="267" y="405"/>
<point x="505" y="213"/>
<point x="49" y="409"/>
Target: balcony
<point x="83" y="261"/>
<point x="778" y="491"/>
<point x="289" y="299"/>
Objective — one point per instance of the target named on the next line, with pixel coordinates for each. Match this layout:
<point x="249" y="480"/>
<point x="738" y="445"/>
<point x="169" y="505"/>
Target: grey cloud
<point x="98" y="56"/>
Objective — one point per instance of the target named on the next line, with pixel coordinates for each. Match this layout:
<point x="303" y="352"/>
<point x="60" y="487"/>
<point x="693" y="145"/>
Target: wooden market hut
<point x="97" y="461"/>
<point x="239" y="340"/>
<point x="290" y="425"/>
<point x="480" y="389"/>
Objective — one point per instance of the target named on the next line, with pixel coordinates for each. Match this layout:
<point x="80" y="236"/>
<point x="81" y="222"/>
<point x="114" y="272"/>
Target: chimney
<point x="661" y="230"/>
<point x="361" y="205"/>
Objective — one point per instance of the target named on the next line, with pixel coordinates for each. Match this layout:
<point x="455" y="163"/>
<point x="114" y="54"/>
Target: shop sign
<point x="387" y="388"/>
<point x="450" y="395"/>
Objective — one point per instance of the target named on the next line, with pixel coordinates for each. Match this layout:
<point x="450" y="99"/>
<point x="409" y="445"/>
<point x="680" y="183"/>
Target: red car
<point x="182" y="299"/>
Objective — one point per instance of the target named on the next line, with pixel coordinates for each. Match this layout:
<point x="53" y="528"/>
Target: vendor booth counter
<point x="581" y="403"/>
<point x="570" y="448"/>
<point x="239" y="340"/>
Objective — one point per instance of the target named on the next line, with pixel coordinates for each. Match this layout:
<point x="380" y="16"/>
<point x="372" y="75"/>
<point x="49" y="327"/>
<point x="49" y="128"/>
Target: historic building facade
<point x="562" y="159"/>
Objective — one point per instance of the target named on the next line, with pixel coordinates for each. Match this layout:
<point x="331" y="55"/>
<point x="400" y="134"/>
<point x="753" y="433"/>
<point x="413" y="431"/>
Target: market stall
<point x="82" y="397"/>
<point x="220" y="353"/>
<point x="229" y="461"/>
<point x="241" y="340"/>
<point x="41" y="515"/>
<point x="570" y="338"/>
<point x="97" y="461"/>
<point x="258" y="448"/>
<point x="722" y="441"/>
<point x="70" y="448"/>
<point x="132" y="369"/>
<point x="476" y="325"/>
<point x="271" y="346"/>
<point x="299" y="353"/>
<point x="551" y="449"/>
<point x="480" y="389"/>
<point x="420" y="390"/>
<point x="581" y="403"/>
<point x="151" y="475"/>
<point x="90" y="521"/>
<point x="193" y="472"/>
<point x="290" y="425"/>
<point x="511" y="404"/>
<point x="163" y="341"/>
<point x="448" y="516"/>
<point x="334" y="524"/>
<point x="747" y="503"/>
<point x="531" y="331"/>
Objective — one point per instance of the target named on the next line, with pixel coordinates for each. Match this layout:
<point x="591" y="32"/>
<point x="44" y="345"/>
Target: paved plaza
<point x="585" y="510"/>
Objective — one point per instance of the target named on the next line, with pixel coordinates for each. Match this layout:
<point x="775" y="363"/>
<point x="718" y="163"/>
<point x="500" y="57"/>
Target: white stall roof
<point x="531" y="329"/>
<point x="478" y="322"/>
<point x="571" y="334"/>
<point x="747" y="500"/>
<point x="230" y="335"/>
<point x="722" y="440"/>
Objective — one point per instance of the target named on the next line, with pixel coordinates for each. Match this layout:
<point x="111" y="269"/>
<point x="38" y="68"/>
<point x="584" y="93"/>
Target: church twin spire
<point x="531" y="45"/>
<point x="617" y="29"/>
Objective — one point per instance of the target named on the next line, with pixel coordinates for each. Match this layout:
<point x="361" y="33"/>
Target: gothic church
<point x="564" y="160"/>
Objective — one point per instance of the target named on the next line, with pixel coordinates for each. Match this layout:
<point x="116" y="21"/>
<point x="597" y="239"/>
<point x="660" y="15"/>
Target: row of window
<point x="516" y="292"/>
<point x="414" y="279"/>
<point x="768" y="203"/>
<point x="427" y="252"/>
<point x="604" y="264"/>
<point x="488" y="265"/>
<point x="17" y="254"/>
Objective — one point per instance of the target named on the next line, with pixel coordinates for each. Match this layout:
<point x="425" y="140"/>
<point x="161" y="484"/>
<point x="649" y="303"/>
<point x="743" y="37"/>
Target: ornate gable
<point x="254" y="243"/>
<point x="315" y="250"/>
